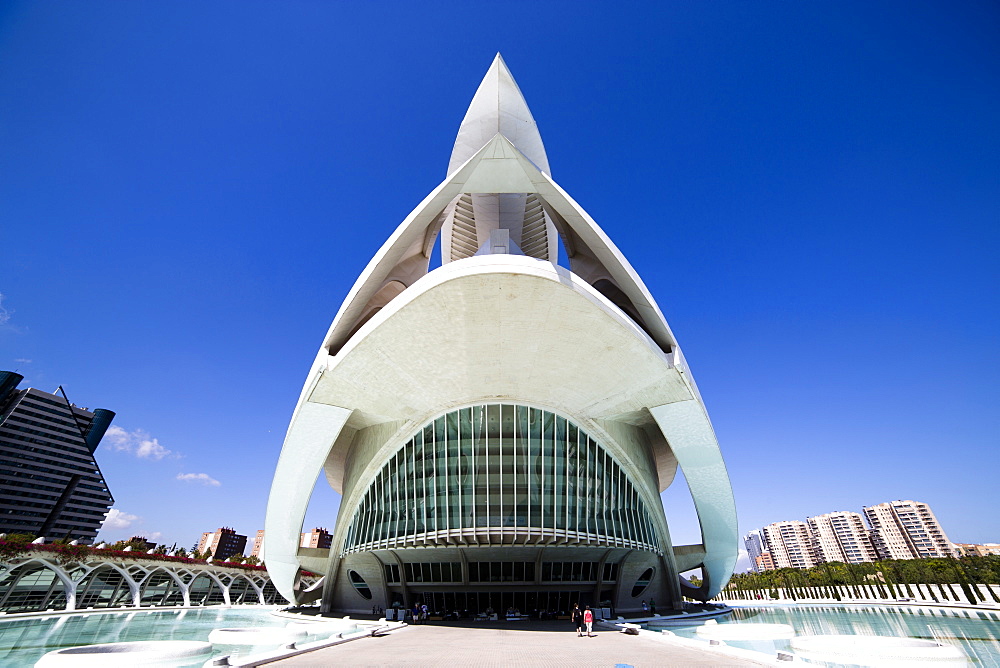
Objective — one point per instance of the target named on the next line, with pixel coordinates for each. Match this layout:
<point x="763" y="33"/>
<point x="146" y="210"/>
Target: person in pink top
<point x="588" y="620"/>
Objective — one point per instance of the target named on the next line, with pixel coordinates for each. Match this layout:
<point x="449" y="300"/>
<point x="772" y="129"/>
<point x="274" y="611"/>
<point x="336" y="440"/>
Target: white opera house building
<point x="500" y="427"/>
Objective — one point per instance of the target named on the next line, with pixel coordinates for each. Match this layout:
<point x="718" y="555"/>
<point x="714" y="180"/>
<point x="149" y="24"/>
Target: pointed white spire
<point x="498" y="107"/>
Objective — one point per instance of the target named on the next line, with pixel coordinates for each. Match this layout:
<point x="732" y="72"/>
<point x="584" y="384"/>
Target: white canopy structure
<point x="500" y="409"/>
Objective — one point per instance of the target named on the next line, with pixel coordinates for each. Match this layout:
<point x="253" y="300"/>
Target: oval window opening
<point x="643" y="582"/>
<point x="360" y="585"/>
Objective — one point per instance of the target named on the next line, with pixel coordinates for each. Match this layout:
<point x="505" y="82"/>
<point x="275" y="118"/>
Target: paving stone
<point x="501" y="644"/>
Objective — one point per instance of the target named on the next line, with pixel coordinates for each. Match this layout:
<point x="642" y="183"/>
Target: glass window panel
<point x="499" y="465"/>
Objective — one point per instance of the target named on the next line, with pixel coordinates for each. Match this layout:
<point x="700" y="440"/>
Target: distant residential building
<point x="977" y="549"/>
<point x="907" y="530"/>
<point x="790" y="544"/>
<point x="755" y="547"/>
<point x="764" y="562"/>
<point x="841" y="536"/>
<point x="258" y="545"/>
<point x="316" y="538"/>
<point x="223" y="543"/>
<point x="50" y="483"/>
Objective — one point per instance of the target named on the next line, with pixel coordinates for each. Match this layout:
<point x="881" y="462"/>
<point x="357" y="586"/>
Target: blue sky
<point x="810" y="191"/>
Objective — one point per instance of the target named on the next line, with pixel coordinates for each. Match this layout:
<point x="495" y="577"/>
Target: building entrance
<point x="535" y="604"/>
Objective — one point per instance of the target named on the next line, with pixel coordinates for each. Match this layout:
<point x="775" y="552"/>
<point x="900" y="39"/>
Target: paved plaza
<point x="521" y="644"/>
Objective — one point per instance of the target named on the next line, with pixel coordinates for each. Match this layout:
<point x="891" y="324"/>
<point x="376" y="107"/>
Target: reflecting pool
<point x="975" y="632"/>
<point x="25" y="641"/>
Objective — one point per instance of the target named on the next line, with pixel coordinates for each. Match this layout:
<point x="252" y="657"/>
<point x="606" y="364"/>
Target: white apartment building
<point x="907" y="530"/>
<point x="841" y="536"/>
<point x="790" y="544"/>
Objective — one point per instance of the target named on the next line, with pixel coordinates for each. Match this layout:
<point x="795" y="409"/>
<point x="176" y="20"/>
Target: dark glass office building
<point x="50" y="483"/>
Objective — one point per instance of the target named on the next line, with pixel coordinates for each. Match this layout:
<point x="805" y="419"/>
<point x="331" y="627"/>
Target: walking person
<point x="577" y="616"/>
<point x="652" y="606"/>
<point x="645" y="608"/>
<point x="588" y="620"/>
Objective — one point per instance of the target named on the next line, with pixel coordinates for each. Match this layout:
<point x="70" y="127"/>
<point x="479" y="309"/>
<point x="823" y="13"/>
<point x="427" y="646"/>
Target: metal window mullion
<point x="616" y="525"/>
<point x="474" y="473"/>
<point x="592" y="483"/>
<point x="625" y="508"/>
<point x="363" y="529"/>
<point x="629" y="507"/>
<point x="377" y="487"/>
<point x="411" y="487"/>
<point x="404" y="494"/>
<point x="566" y="477"/>
<point x="605" y="493"/>
<point x="376" y="529"/>
<point x="576" y="485"/>
<point x="640" y="511"/>
<point x="485" y="437"/>
<point x="515" y="444"/>
<point x="383" y="511"/>
<point x="597" y="489"/>
<point x="620" y="508"/>
<point x="423" y="477"/>
<point x="458" y="473"/>
<point x="368" y="517"/>
<point x="387" y="503"/>
<point x="434" y="468"/>
<point x="527" y="467"/>
<point x="634" y="518"/>
<point x="347" y="537"/>
<point x="370" y="505"/>
<point x="541" y="459"/>
<point x="500" y="464"/>
<point x="458" y="467"/>
<point x="588" y="491"/>
<point x="555" y="476"/>
<point x="359" y="534"/>
<point x="447" y="480"/>
<point x="395" y="488"/>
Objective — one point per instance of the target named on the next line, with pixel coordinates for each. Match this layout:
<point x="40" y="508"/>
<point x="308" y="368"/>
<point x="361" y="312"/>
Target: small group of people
<point x="420" y="612"/>
<point x="378" y="610"/>
<point x="651" y="607"/>
<point x="583" y="619"/>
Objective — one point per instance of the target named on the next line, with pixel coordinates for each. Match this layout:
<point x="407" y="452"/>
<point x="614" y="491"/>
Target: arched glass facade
<point x="501" y="474"/>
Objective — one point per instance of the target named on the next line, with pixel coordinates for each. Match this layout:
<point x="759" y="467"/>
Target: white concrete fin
<point x="498" y="107"/>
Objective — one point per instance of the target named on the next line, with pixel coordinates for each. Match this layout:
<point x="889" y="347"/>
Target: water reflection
<point x="24" y="641"/>
<point x="977" y="633"/>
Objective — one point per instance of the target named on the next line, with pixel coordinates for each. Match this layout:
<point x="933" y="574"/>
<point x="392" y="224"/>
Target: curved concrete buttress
<point x="692" y="439"/>
<point x="313" y="430"/>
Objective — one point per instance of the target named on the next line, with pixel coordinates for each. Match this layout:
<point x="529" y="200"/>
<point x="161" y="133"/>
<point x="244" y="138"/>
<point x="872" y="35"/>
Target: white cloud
<point x="137" y="442"/>
<point x="5" y="313"/>
<point x="203" y="478"/>
<point x="21" y="360"/>
<point x="742" y="562"/>
<point x="155" y="536"/>
<point x="116" y="519"/>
